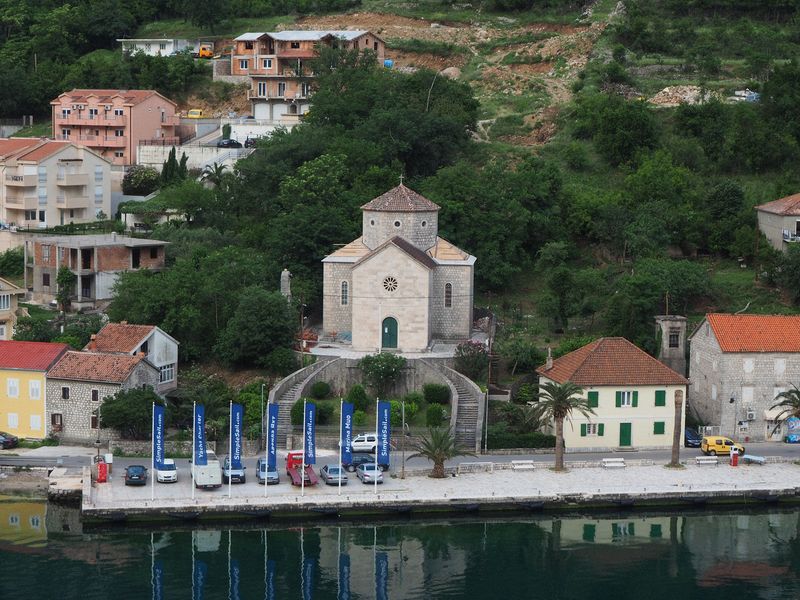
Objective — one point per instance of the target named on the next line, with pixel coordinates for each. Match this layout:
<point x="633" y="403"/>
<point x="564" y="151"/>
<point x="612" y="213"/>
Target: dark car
<point x="136" y="475"/>
<point x="228" y="144"/>
<point x="7" y="440"/>
<point x="692" y="439"/>
<point x="250" y="142"/>
<point x="360" y="458"/>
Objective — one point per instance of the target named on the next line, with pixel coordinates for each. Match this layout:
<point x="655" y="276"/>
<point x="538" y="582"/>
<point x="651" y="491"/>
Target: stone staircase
<point x="466" y="404"/>
<point x="285" y="404"/>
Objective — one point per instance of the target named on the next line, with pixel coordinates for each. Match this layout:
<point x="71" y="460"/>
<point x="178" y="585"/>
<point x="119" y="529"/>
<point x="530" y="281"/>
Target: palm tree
<point x="789" y="404"/>
<point x="438" y="446"/>
<point x="557" y="401"/>
<point x="214" y="174"/>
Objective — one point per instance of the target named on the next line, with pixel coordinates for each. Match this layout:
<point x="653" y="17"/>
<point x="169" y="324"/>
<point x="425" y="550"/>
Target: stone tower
<point x="672" y="349"/>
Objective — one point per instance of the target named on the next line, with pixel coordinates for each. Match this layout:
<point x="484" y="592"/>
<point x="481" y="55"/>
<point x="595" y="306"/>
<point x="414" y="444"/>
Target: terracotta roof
<point x="128" y="96"/>
<point x="355" y="249"/>
<point x="611" y="361"/>
<point x="756" y="333"/>
<point x="30" y="356"/>
<point x="43" y="151"/>
<point x="9" y="147"/>
<point x="444" y="250"/>
<point x="407" y="248"/>
<point x="401" y="199"/>
<point x="119" y="337"/>
<point x="94" y="366"/>
<point x="790" y="205"/>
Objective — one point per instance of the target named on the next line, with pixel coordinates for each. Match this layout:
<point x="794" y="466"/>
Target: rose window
<point x="390" y="284"/>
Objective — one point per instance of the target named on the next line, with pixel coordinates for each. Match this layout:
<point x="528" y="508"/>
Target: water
<point x="44" y="554"/>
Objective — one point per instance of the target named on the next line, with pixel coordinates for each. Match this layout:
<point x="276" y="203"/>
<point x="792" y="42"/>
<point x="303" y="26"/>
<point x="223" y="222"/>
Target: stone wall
<point x="772" y="226"/>
<point x="455" y="322"/>
<point x="197" y="157"/>
<point x="418" y="228"/>
<point x="143" y="447"/>
<point x="335" y="316"/>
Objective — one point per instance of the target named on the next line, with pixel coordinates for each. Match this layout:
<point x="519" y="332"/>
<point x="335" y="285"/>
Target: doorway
<point x="389" y="333"/>
<point x="624" y="434"/>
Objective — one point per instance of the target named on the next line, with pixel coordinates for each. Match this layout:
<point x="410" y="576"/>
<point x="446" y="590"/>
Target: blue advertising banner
<point x="269" y="581"/>
<point x="309" y="565"/>
<point x="200" y="573"/>
<point x="200" y="456"/>
<point x="381" y="576"/>
<point x="235" y="577"/>
<point x="158" y="580"/>
<point x="384" y="431"/>
<point x="344" y="577"/>
<point x="347" y="433"/>
<point x="158" y="436"/>
<point x="237" y="421"/>
<point x="311" y="439"/>
<point x="272" y="436"/>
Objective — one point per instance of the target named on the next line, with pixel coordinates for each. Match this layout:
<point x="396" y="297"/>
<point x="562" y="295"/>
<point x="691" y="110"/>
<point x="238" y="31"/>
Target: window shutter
<point x="661" y="398"/>
<point x="594" y="401"/>
<point x="619" y="399"/>
<point x="658" y="427"/>
<point x="583" y="429"/>
<point x="635" y="399"/>
<point x="600" y="429"/>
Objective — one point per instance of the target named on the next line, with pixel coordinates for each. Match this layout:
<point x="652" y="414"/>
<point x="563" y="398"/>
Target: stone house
<point x="9" y="303"/>
<point x="631" y="393"/>
<point x="78" y="384"/>
<point x="160" y="348"/>
<point x="738" y="364"/>
<point x="399" y="286"/>
<point x="779" y="220"/>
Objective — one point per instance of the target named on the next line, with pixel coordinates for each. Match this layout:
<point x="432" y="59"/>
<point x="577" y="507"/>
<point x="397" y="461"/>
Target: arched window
<point x="448" y="295"/>
<point x="344" y="293"/>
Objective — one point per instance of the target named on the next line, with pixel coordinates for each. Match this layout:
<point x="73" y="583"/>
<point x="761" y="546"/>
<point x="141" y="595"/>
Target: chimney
<point x="93" y="342"/>
<point x="549" y="364"/>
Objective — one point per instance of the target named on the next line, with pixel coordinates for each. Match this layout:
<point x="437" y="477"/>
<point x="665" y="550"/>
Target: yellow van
<point x="714" y="444"/>
<point x="195" y="113"/>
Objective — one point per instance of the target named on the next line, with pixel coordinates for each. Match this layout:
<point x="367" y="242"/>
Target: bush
<point x="281" y="361"/>
<point x="358" y="397"/>
<point x="359" y="418"/>
<point x="297" y="412"/>
<point x="320" y="390"/>
<point x="381" y="371"/>
<point x="140" y="181"/>
<point x="412" y="408"/>
<point x="396" y="413"/>
<point x="472" y="359"/>
<point x="436" y="393"/>
<point x="500" y="438"/>
<point x="324" y="412"/>
<point x="12" y="262"/>
<point x="435" y="415"/>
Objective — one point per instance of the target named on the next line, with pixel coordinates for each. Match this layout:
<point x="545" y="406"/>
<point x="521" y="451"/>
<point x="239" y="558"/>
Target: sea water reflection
<point x="44" y="554"/>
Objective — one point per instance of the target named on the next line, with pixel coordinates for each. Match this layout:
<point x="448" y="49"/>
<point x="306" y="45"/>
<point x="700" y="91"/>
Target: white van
<point x="208" y="476"/>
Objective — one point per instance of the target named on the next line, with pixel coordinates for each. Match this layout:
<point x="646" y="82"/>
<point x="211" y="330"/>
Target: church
<point x="399" y="286"/>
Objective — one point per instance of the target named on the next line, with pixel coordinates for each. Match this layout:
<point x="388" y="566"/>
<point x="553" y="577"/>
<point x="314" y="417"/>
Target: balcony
<point x="21" y="180"/>
<point x="254" y="94"/>
<point x="101" y="141"/>
<point x="296" y="53"/>
<point x="20" y="202"/>
<point x="84" y="120"/>
<point x="68" y="179"/>
<point x="69" y="202"/>
<point x="170" y="121"/>
<point x="790" y="237"/>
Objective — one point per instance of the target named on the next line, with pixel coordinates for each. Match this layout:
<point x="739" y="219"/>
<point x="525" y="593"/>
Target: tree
<point x="130" y="413"/>
<point x="438" y="446"/>
<point x="12" y="262"/>
<point x="557" y="401"/>
<point x="174" y="170"/>
<point x="381" y="371"/>
<point x="789" y="404"/>
<point x="226" y="131"/>
<point x="140" y="181"/>
<point x="472" y="359"/>
<point x="66" y="286"/>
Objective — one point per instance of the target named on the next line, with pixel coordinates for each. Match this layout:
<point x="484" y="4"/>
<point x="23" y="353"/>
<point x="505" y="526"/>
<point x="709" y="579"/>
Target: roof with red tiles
<point x="11" y="146"/>
<point x="611" y="361"/>
<point x="401" y="199"/>
<point x="406" y="247"/>
<point x="95" y="366"/>
<point x="30" y="356"/>
<point x="42" y="151"/>
<point x="119" y="337"/>
<point x="790" y="205"/>
<point x="756" y="333"/>
<point x="128" y="96"/>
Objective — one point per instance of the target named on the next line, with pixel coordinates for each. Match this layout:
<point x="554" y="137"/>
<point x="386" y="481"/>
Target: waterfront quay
<point x="480" y="486"/>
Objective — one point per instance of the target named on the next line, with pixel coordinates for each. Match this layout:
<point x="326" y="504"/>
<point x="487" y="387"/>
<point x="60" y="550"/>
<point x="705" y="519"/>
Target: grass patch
<point x="33" y="444"/>
<point x="425" y="47"/>
<point x="38" y="312"/>
<point x="42" y="129"/>
<point x="512" y="58"/>
<point x="734" y="287"/>
<point x="508" y="125"/>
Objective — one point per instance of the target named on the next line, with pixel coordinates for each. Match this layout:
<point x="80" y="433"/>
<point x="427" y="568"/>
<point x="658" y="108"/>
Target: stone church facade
<point x="399" y="286"/>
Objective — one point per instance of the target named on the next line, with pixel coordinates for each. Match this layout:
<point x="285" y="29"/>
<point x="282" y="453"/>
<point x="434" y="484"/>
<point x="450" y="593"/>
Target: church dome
<point x="401" y="199"/>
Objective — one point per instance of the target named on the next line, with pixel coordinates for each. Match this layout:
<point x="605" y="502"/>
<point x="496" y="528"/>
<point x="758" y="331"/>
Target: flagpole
<point x="341" y="424"/>
<point x="194" y="459"/>
<point x="266" y="453"/>
<point x="230" y="448"/>
<point x="377" y="439"/>
<point x="153" y="453"/>
<point x="303" y="466"/>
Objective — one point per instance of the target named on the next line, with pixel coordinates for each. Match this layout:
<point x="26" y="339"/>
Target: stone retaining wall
<point x="143" y="447"/>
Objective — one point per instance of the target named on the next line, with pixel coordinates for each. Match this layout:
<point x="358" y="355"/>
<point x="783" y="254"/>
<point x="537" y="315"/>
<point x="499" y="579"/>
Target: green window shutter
<point x="619" y="399"/>
<point x="658" y="427"/>
<point x="661" y="398"/>
<point x="583" y="429"/>
<point x="594" y="399"/>
<point x="600" y="429"/>
<point x="635" y="399"/>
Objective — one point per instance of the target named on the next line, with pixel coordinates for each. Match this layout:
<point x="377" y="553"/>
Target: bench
<point x="522" y="465"/>
<point x="750" y="458"/>
<point x="613" y="463"/>
<point x="706" y="460"/>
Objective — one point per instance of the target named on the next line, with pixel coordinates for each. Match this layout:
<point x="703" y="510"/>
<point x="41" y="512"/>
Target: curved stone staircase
<point x="467" y="407"/>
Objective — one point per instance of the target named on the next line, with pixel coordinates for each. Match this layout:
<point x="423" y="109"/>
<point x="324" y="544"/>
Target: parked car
<point x="364" y="442"/>
<point x="195" y="113"/>
<point x="7" y="440"/>
<point x="167" y="472"/>
<point x="136" y="475"/>
<point x="250" y="142"/>
<point x="691" y="439"/>
<point x="209" y="475"/>
<point x="360" y="458"/>
<point x="715" y="444"/>
<point x="235" y="475"/>
<point x="331" y="474"/>
<point x="228" y="144"/>
<point x="367" y="473"/>
<point x="264" y="474"/>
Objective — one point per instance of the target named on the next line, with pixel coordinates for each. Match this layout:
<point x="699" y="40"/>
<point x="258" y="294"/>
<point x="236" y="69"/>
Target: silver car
<point x="235" y="475"/>
<point x="331" y="474"/>
<point x="266" y="475"/>
<point x="368" y="473"/>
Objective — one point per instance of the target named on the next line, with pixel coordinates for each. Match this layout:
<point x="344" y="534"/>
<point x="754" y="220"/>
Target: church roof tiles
<point x="401" y="199"/>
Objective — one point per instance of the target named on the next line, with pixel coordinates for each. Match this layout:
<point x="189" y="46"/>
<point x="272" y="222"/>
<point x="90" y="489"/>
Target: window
<point x="93" y="422"/>
<point x="65" y="393"/>
<point x="118" y="112"/>
<point x="41" y="216"/>
<point x="594" y="399"/>
<point x="655" y="530"/>
<point x="267" y="63"/>
<point x="71" y="213"/>
<point x="92" y="113"/>
<point x="390" y="284"/>
<point x="243" y="64"/>
<point x="12" y="387"/>
<point x="98" y="194"/>
<point x="95" y="395"/>
<point x="658" y="428"/>
<point x="154" y="252"/>
<point x="56" y="421"/>
<point x="35" y="389"/>
<point x="45" y="253"/>
<point x="713" y="391"/>
<point x="65" y="112"/>
<point x="747" y="365"/>
<point x="119" y="154"/>
<point x="780" y="366"/>
<point x="46" y="279"/>
<point x="589" y="531"/>
<point x="627" y="398"/>
<point x="375" y="46"/>
<point x="448" y="295"/>
<point x="13" y="520"/>
<point x="42" y="176"/>
<point x="262" y="89"/>
<point x="13" y="420"/>
<point x="166" y="373"/>
<point x="36" y="422"/>
<point x="119" y="132"/>
<point x="147" y="47"/>
<point x="281" y="90"/>
<point x="248" y="45"/>
<point x="30" y="215"/>
<point x="661" y="398"/>
<point x="344" y="293"/>
<point x="5" y="301"/>
<point x="305" y="89"/>
<point x="162" y="46"/>
<point x="294" y="45"/>
<point x="397" y="224"/>
<point x="424" y="223"/>
<point x="372" y="222"/>
<point x="592" y="429"/>
<point x="2" y="331"/>
<point x="98" y="173"/>
<point x="674" y="338"/>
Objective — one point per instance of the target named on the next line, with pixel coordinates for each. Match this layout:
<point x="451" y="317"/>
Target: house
<point x="779" y="220"/>
<point x="738" y="364"/>
<point x="9" y="294"/>
<point x="278" y="65"/>
<point x="23" y="378"/>
<point x="632" y="394"/>
<point x="96" y="260"/>
<point x="160" y="348"/>
<point x="398" y="286"/>
<point x="156" y="46"/>
<point x="115" y="122"/>
<point x="47" y="183"/>
<point x="78" y="384"/>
